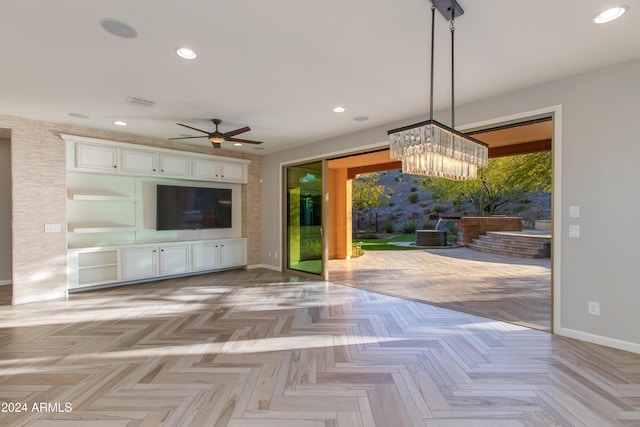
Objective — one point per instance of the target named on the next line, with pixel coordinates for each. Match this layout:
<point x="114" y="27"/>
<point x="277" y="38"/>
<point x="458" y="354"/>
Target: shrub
<point x="438" y="207"/>
<point x="409" y="227"/>
<point x="413" y="197"/>
<point x="368" y="234"/>
<point x="388" y="227"/>
<point x="429" y="225"/>
<point x="414" y="189"/>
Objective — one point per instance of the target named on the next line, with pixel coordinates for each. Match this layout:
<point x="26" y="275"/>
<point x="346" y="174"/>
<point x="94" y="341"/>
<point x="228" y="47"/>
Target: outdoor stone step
<point x="518" y="254"/>
<point x="508" y="241"/>
<point x="487" y="243"/>
<point x="513" y="244"/>
<point x="546" y="238"/>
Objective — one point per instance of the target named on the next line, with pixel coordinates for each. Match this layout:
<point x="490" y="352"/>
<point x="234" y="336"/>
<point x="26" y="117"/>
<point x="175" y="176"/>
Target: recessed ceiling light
<point x="610" y="14"/>
<point x="361" y="118"/>
<point x="120" y="123"/>
<point x="339" y="110"/>
<point x="237" y="144"/>
<point x="79" y="115"/>
<point x="186" y="53"/>
<point x="118" y="28"/>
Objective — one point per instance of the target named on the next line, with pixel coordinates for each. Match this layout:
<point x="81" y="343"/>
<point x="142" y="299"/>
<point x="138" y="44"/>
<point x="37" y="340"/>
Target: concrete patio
<point x="510" y="289"/>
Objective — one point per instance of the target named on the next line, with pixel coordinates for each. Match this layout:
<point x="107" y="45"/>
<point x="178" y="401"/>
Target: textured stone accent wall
<point x="39" y="196"/>
<point x="470" y="227"/>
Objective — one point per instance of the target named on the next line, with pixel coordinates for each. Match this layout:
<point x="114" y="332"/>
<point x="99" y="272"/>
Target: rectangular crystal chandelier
<point x="433" y="149"/>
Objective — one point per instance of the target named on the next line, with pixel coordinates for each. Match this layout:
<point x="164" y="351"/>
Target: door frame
<point x="324" y="268"/>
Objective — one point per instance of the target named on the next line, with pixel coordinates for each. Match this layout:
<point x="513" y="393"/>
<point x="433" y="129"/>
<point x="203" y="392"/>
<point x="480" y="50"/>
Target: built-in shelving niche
<point x="101" y="210"/>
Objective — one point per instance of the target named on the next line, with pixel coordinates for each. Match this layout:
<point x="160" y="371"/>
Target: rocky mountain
<point x="410" y="201"/>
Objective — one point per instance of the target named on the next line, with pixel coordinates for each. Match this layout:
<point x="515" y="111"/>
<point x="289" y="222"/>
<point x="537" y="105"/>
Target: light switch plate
<point x="574" y="231"/>
<point x="574" y="211"/>
<point x="52" y="228"/>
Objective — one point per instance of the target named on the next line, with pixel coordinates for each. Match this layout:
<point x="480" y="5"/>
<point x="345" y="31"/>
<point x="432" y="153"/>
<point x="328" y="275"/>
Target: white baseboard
<point x="5" y="282"/>
<point x="267" y="266"/>
<point x="38" y="298"/>
<point x="598" y="339"/>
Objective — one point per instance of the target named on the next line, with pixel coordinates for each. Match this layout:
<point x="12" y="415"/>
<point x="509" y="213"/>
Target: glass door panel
<point x="304" y="213"/>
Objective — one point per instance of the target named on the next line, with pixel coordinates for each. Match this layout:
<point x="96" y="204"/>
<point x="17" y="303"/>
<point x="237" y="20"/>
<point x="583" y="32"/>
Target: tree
<point x="504" y="181"/>
<point x="367" y="193"/>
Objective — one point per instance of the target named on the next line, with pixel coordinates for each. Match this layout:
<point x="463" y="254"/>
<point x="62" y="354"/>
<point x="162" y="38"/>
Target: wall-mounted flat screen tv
<point x="192" y="208"/>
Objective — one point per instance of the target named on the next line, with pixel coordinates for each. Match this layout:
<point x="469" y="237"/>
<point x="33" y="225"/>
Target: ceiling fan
<point x="216" y="137"/>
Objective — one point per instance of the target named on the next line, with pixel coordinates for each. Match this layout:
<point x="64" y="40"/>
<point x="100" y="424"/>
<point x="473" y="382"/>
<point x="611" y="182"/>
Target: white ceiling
<point x="280" y="66"/>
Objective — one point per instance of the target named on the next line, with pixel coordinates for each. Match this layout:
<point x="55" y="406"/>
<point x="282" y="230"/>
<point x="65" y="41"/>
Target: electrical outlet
<point x="594" y="308"/>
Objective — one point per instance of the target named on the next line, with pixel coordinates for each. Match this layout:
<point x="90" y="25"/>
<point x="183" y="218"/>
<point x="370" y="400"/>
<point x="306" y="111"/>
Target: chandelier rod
<point x="433" y="26"/>
<point x="453" y="30"/>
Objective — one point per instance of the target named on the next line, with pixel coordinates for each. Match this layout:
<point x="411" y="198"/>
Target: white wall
<point x="5" y="211"/>
<point x="599" y="158"/>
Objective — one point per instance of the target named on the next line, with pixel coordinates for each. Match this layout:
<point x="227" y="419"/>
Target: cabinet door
<point x="233" y="172"/>
<point x="174" y="259"/>
<point x="138" y="162"/>
<point x="204" y="169"/>
<point x="174" y="165"/>
<point x="232" y="253"/>
<point x="96" y="157"/>
<point x="139" y="263"/>
<point x="204" y="256"/>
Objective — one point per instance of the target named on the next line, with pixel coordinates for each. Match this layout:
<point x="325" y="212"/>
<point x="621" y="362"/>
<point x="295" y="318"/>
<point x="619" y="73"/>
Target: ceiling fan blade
<point x="247" y="141"/>
<point x="199" y="130"/>
<point x="189" y="137"/>
<point x="227" y="135"/>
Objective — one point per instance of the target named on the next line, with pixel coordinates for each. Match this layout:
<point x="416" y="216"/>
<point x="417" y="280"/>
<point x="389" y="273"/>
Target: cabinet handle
<point x="115" y="166"/>
<point x="161" y="170"/>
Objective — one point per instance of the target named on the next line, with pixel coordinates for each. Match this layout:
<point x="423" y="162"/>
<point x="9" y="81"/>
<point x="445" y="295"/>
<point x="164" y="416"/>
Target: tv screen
<point x="192" y="208"/>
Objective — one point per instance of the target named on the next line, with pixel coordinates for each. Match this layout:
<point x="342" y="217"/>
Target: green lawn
<point x="383" y="244"/>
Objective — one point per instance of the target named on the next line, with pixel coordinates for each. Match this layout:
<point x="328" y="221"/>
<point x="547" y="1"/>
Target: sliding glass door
<point x="305" y="246"/>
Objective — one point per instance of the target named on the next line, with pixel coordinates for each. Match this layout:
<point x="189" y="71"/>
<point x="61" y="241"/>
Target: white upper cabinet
<point x="232" y="172"/>
<point x="174" y="165"/>
<point x="95" y="155"/>
<point x="205" y="169"/>
<point x="138" y="162"/>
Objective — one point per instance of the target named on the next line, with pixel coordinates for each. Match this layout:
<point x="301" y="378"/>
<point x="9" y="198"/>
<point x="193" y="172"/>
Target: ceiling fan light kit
<point x="430" y="148"/>
<point x="217" y="138"/>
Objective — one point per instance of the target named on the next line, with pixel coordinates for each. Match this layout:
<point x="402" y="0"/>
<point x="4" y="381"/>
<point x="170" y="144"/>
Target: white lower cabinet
<point x="92" y="267"/>
<point x="205" y="256"/>
<point x="232" y="253"/>
<point x="139" y="263"/>
<point x="174" y="259"/>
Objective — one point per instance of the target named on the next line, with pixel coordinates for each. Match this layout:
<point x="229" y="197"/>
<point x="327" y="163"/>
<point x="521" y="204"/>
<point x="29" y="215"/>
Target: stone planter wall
<point x="470" y="227"/>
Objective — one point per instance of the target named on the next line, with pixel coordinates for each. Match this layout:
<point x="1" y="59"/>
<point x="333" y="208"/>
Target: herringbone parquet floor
<point x="259" y="348"/>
